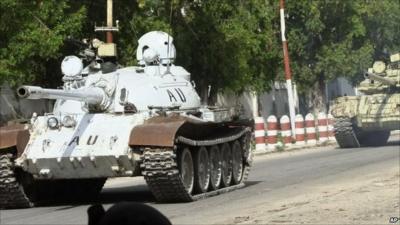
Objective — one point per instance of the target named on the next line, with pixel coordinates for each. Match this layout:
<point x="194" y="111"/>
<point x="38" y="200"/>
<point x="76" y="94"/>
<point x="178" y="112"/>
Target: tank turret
<point x="380" y="78"/>
<point x="89" y="95"/>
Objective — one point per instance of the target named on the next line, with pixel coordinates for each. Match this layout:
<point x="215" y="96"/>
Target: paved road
<point x="273" y="176"/>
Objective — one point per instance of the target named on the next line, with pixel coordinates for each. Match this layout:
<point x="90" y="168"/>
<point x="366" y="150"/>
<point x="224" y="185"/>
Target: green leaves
<point x="231" y="44"/>
<point x="335" y="38"/>
<point x="228" y="44"/>
<point x="33" y="33"/>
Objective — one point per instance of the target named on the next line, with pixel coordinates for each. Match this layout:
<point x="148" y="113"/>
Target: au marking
<point x="91" y="140"/>
<point x="180" y="94"/>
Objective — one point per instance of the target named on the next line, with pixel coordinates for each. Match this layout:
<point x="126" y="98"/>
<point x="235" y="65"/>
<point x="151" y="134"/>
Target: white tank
<point x="143" y="120"/>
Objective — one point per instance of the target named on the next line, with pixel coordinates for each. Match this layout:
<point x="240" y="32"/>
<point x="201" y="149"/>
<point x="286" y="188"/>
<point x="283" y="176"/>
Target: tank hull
<point x="89" y="150"/>
<point x="359" y="118"/>
<point x="59" y="159"/>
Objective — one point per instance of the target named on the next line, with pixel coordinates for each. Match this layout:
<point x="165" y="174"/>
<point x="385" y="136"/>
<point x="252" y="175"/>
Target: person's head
<point x="126" y="213"/>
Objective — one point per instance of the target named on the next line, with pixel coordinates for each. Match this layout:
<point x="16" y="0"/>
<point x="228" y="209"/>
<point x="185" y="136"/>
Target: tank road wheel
<point x="201" y="170"/>
<point x="215" y="167"/>
<point x="226" y="154"/>
<point x="186" y="169"/>
<point x="237" y="163"/>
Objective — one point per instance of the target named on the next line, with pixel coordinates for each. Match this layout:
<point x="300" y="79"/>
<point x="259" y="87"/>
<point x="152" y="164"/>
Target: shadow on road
<point x="112" y="195"/>
<point x="251" y="183"/>
<point x="136" y="193"/>
<point x="393" y="143"/>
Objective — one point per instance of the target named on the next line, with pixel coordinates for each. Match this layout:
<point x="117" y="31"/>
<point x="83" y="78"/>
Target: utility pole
<point x="254" y="102"/>
<point x="109" y="29"/>
<point x="109" y="37"/>
<point x="288" y="74"/>
<point x="108" y="50"/>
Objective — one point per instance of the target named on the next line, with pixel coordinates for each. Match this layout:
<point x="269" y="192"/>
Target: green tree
<point x="332" y="38"/>
<point x="232" y="44"/>
<point x="228" y="44"/>
<point x="32" y="35"/>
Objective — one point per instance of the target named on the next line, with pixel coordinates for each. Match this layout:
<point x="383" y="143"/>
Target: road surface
<point x="319" y="185"/>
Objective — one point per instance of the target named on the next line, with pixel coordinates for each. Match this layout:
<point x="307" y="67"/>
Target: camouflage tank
<point x="368" y="118"/>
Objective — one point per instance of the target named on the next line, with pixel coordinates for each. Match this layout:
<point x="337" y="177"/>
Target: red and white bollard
<point x="259" y="133"/>
<point x="299" y="125"/>
<point x="331" y="133"/>
<point x="322" y="127"/>
<point x="272" y="132"/>
<point x="310" y="129"/>
<point x="285" y="130"/>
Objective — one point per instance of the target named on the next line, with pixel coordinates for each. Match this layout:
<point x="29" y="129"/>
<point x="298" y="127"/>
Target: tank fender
<point x="156" y="131"/>
<point x="164" y="130"/>
<point x="14" y="136"/>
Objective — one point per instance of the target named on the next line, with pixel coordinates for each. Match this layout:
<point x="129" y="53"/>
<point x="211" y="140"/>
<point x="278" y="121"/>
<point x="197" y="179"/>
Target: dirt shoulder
<point x="372" y="199"/>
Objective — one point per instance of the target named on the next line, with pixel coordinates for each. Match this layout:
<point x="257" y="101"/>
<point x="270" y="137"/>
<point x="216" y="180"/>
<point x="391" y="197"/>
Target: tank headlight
<point x="52" y="122"/>
<point x="68" y="121"/>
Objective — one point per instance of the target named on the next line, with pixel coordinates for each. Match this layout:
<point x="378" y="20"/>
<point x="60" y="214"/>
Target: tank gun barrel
<point x="384" y="80"/>
<point x="91" y="95"/>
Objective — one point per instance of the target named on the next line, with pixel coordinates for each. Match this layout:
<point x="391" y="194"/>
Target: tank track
<point x="12" y="195"/>
<point x="160" y="170"/>
<point x="345" y="134"/>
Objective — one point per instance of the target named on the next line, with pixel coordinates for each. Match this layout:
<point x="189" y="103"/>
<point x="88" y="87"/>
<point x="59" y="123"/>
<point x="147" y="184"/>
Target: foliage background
<point x="229" y="44"/>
